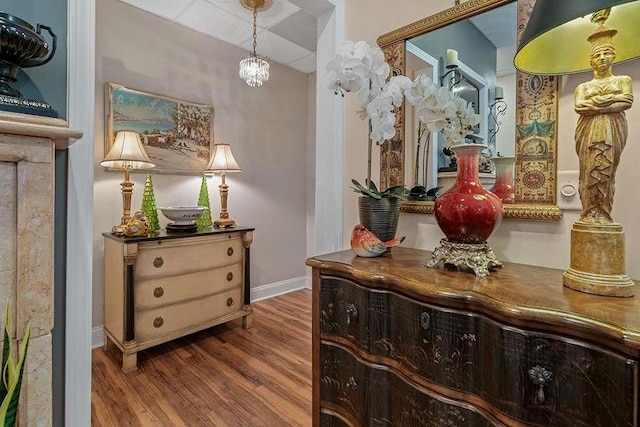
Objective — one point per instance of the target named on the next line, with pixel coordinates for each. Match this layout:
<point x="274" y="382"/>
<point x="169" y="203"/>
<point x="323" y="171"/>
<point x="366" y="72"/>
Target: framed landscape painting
<point x="177" y="135"/>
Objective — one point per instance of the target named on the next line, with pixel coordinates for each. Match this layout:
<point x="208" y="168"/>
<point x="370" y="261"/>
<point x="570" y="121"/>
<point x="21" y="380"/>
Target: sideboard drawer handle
<point x="158" y="262"/>
<point x="540" y="377"/>
<point x="352" y="313"/>
<point x="425" y="320"/>
<point x="158" y="322"/>
<point x="230" y="251"/>
<point x="352" y="384"/>
<point x="229" y="302"/>
<point x="229" y="276"/>
<point x="158" y="292"/>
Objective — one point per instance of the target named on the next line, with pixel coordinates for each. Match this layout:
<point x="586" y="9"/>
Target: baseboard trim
<point x="97" y="337"/>
<point x="279" y="288"/>
<point x="257" y="294"/>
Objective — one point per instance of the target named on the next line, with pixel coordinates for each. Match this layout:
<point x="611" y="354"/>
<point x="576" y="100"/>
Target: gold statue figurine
<point x="601" y="132"/>
<point x="598" y="243"/>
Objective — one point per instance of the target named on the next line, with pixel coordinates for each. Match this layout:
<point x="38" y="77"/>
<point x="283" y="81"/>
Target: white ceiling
<point x="287" y="31"/>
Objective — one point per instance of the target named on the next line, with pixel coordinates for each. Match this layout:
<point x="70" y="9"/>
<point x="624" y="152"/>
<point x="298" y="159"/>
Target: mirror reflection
<point x="474" y="59"/>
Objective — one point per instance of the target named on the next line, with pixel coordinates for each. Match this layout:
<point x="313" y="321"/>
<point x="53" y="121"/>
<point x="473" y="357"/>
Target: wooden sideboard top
<point x="515" y="293"/>
<point x="162" y="234"/>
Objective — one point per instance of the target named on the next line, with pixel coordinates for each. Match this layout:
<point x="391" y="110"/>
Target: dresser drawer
<point x="533" y="377"/>
<point x="166" y="320"/>
<point x="161" y="291"/>
<point x="373" y="395"/>
<point x="170" y="258"/>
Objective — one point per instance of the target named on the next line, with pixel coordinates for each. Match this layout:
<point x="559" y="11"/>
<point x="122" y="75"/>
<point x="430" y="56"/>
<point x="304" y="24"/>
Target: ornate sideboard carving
<point x="486" y="348"/>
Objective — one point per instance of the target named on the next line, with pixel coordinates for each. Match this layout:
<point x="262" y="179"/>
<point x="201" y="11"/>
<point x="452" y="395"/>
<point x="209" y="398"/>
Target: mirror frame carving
<point x="537" y="98"/>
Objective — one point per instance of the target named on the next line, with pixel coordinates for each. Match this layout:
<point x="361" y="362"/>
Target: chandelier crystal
<point x="254" y="69"/>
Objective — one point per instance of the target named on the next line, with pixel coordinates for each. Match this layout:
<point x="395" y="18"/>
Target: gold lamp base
<point x="598" y="260"/>
<point x="224" y="223"/>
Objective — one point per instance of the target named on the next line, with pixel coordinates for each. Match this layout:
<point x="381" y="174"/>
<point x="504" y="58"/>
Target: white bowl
<point x="183" y="215"/>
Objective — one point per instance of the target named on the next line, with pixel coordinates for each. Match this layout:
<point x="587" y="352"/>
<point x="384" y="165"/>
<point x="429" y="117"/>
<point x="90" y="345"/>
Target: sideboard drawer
<point x="170" y="258"/>
<point x="161" y="291"/>
<point x="158" y="322"/>
<point x="533" y="377"/>
<point x="374" y="395"/>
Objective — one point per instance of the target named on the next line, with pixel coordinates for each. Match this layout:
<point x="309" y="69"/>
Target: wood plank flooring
<point x="224" y="376"/>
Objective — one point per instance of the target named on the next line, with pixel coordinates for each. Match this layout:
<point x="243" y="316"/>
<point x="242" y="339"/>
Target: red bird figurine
<point x="365" y="244"/>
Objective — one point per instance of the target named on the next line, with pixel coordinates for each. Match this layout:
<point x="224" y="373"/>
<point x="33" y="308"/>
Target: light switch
<point x="568" y="197"/>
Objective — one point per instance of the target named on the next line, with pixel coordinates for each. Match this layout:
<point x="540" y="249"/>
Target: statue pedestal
<point x="598" y="260"/>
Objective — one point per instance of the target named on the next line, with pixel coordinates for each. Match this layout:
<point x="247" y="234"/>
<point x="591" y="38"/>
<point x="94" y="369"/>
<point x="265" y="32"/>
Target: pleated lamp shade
<point x="127" y="152"/>
<point x="222" y="160"/>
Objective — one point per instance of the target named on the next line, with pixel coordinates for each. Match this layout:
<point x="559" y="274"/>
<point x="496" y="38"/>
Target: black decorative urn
<point x="22" y="46"/>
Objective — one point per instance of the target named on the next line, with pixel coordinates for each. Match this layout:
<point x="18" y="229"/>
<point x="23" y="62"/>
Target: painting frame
<point x="175" y="145"/>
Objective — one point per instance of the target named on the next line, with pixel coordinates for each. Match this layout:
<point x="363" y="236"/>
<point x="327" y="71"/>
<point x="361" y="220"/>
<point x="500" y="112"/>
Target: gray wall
<point x="473" y="47"/>
<point x="266" y="127"/>
<point x="47" y="82"/>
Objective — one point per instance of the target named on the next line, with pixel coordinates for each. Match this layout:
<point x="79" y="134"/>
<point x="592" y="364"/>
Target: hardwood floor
<point x="224" y="376"/>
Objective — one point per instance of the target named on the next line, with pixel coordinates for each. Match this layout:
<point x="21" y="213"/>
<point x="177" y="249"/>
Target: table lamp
<point x="126" y="153"/>
<point x="570" y="36"/>
<point x="222" y="162"/>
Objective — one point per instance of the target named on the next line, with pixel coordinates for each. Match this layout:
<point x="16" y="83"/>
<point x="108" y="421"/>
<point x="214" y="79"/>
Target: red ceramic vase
<point x="467" y="212"/>
<point x="504" y="186"/>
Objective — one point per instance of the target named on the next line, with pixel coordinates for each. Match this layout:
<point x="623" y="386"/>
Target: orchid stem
<point x="369" y="158"/>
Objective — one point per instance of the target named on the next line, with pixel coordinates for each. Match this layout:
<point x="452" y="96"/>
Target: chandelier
<point x="254" y="69"/>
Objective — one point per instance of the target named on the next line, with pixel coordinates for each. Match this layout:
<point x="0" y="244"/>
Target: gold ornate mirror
<point x="533" y="109"/>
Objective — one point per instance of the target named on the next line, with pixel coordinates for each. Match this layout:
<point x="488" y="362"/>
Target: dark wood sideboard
<point x="398" y="344"/>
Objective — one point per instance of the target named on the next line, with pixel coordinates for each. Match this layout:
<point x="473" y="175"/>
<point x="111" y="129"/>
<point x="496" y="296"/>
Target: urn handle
<point x="54" y="41"/>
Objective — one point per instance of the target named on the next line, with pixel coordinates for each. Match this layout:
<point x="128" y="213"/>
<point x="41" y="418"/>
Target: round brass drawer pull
<point x="230" y="251"/>
<point x="158" y="262"/>
<point x="229" y="276"/>
<point x="229" y="302"/>
<point x="158" y="322"/>
<point x="158" y="292"/>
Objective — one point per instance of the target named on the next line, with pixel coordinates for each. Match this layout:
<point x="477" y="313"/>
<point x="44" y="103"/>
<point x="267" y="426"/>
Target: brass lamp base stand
<point x="598" y="260"/>
<point x="477" y="257"/>
<point x="224" y="223"/>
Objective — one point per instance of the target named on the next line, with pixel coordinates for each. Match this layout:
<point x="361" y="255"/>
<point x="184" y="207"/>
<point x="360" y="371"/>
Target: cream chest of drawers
<point x="163" y="287"/>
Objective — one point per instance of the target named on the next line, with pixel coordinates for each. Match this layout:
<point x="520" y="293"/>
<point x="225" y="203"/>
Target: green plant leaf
<point x="12" y="374"/>
<point x="9" y="413"/>
<point x="373" y="188"/>
<point x="397" y="191"/>
<point x="359" y="188"/>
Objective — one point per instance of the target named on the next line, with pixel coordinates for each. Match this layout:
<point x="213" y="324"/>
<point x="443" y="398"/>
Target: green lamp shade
<point x="555" y="39"/>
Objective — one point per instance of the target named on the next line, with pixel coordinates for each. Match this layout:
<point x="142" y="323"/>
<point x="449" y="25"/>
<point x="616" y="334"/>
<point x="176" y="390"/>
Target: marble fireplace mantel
<point x="27" y="148"/>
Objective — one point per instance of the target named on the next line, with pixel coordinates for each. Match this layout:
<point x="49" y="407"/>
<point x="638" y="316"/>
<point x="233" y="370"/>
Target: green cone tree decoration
<point x="149" y="205"/>
<point x="203" y="200"/>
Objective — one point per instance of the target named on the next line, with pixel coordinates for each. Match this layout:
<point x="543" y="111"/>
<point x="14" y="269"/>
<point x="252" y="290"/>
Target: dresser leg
<point x="247" y="321"/>
<point x="129" y="360"/>
<point x="108" y="344"/>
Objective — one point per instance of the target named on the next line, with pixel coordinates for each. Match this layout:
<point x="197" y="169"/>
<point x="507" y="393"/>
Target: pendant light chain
<point x="254" y="69"/>
<point x="255" y="29"/>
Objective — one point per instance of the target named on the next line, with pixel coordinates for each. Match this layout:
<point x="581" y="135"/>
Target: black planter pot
<point x="380" y="216"/>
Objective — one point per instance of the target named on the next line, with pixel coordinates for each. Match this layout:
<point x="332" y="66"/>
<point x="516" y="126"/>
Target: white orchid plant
<point x="360" y="68"/>
<point x="440" y="110"/>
